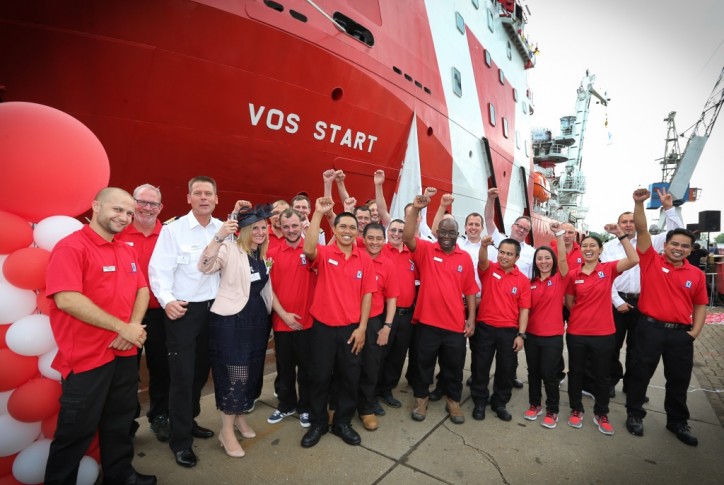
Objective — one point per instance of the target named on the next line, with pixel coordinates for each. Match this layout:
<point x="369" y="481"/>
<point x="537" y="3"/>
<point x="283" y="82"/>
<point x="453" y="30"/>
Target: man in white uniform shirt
<point x="626" y="288"/>
<point x="186" y="295"/>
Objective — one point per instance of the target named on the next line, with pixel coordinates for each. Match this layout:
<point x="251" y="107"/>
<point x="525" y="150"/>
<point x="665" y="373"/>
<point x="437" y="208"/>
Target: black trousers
<point x="394" y="353"/>
<point x="331" y="354"/>
<point x="488" y="342"/>
<point x="371" y="361"/>
<point x="104" y="400"/>
<point x="596" y="350"/>
<point x="187" y="340"/>
<point x="293" y="354"/>
<point x="625" y="332"/>
<point x="156" y="362"/>
<point x="677" y="349"/>
<point x="543" y="355"/>
<point x="434" y="344"/>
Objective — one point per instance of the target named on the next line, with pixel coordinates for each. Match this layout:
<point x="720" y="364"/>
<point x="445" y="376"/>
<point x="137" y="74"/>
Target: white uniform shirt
<point x="172" y="272"/>
<point x="473" y="249"/>
<point x="630" y="280"/>
<point x="525" y="262"/>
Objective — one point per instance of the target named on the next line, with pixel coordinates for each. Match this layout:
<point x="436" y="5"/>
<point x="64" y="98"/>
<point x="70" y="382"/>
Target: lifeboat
<point x="541" y="188"/>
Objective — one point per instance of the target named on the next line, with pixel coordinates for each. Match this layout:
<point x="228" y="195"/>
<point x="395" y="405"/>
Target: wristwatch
<point x="388" y="325"/>
<point x="218" y="239"/>
<point x="559" y="233"/>
<point x="523" y="335"/>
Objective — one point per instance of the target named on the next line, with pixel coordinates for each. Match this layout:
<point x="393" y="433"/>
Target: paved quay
<point x="436" y="451"/>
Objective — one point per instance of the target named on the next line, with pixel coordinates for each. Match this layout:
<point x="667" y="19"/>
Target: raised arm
<point x="643" y="237"/>
<point x="408" y="233"/>
<point x="341" y="189"/>
<point x="561" y="246"/>
<point x="382" y="210"/>
<point x="322" y="206"/>
<point x="328" y="178"/>
<point x="631" y="259"/>
<point x="483" y="262"/>
<point x="445" y="203"/>
<point x="489" y="213"/>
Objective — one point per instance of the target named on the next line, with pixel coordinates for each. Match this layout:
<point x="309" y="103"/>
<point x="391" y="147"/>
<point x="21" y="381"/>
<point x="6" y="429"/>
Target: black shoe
<point x="503" y="413"/>
<point x="379" y="410"/>
<point x="390" y="400"/>
<point x="635" y="425"/>
<point x="186" y="457"/>
<point x="138" y="479"/>
<point x="683" y="432"/>
<point x="646" y="399"/>
<point x="161" y="427"/>
<point x="469" y="382"/>
<point x="200" y="432"/>
<point x="436" y="394"/>
<point x="479" y="412"/>
<point x="347" y="433"/>
<point x="612" y="392"/>
<point x="313" y="435"/>
<point x="517" y="383"/>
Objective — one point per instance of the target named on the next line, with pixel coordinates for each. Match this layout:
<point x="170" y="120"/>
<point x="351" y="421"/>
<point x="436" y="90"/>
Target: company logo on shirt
<point x="601" y="274"/>
<point x="688" y="284"/>
<point x="359" y="274"/>
<point x="460" y="268"/>
<point x="303" y="258"/>
<point x="578" y="260"/>
<point x="550" y="283"/>
<point x="412" y="265"/>
<point x="133" y="267"/>
<point x="515" y="290"/>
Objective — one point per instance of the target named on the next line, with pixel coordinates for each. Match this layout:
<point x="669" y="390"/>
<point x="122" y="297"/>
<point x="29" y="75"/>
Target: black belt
<point x="669" y="325"/>
<point x="628" y="296"/>
<point x="404" y="311"/>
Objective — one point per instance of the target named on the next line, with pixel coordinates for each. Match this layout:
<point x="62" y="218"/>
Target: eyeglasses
<point x="522" y="228"/>
<point x="148" y="203"/>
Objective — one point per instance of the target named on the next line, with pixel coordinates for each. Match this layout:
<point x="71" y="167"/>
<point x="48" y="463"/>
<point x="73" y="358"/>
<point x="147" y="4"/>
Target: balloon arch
<point x="51" y="168"/>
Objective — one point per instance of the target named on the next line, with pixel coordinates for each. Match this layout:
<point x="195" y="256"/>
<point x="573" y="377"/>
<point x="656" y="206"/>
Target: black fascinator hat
<point x="248" y="216"/>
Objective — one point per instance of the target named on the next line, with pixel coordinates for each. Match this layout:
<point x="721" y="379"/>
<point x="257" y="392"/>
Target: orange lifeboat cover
<point x="541" y="187"/>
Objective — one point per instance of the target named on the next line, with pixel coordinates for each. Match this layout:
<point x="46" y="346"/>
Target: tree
<point x="720" y="238"/>
<point x="603" y="236"/>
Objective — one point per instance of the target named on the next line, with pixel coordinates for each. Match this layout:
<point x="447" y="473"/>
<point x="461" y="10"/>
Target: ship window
<point x="488" y="60"/>
<point x="418" y="84"/>
<point x="460" y="22"/>
<point x="524" y="105"/>
<point x="476" y="4"/>
<point x="427" y="90"/>
<point x="457" y="81"/>
<point x="298" y="16"/>
<point x="525" y="146"/>
<point x="501" y="76"/>
<point x="505" y="127"/>
<point x="491" y="113"/>
<point x="517" y="139"/>
<point x="515" y="95"/>
<point x="354" y="29"/>
<point x="408" y="77"/>
<point x="510" y="51"/>
<point x="491" y="21"/>
<point x="397" y="69"/>
<point x="274" y="5"/>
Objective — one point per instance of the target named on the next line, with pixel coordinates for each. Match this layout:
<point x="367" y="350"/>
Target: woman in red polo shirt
<point x="544" y="335"/>
<point x="591" y="331"/>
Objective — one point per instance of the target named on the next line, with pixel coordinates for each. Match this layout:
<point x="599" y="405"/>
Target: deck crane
<point x="677" y="167"/>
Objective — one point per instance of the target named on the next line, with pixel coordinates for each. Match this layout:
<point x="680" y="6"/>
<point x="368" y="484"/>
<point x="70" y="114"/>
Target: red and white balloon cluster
<point x="52" y="166"/>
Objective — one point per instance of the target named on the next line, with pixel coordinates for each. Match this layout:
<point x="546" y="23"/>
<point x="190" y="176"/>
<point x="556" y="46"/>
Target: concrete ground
<point x="435" y="451"/>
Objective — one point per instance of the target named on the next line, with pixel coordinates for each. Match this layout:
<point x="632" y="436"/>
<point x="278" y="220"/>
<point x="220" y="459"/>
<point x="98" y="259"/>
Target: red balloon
<point x="49" y="425"/>
<point x="9" y="480"/>
<point x="52" y="163"/>
<point x="35" y="400"/>
<point x="16" y="369"/>
<point x="42" y="302"/>
<point x="4" y="327"/>
<point x="6" y="464"/>
<point x="25" y="268"/>
<point x="16" y="233"/>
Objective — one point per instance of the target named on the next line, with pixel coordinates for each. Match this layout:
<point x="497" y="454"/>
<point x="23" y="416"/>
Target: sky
<point x="650" y="58"/>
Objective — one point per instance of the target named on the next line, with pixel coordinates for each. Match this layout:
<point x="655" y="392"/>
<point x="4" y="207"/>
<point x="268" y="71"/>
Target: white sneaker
<point x="304" y="420"/>
<point x="277" y="416"/>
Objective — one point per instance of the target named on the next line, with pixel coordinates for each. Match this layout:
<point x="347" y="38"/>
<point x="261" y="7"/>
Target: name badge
<point x="665" y="270"/>
<point x="496" y="275"/>
<point x="255" y="277"/>
<point x="533" y="287"/>
<point x="435" y="258"/>
<point x="130" y="243"/>
<point x="579" y="282"/>
<point x="109" y="269"/>
<point x="331" y="261"/>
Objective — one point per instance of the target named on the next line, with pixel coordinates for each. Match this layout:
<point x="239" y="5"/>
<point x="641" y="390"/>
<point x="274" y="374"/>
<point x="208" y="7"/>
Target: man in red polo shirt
<point x="340" y="308"/>
<point x="98" y="299"/>
<point x="276" y="237"/>
<point x="446" y="275"/>
<point x="673" y="309"/>
<point x="500" y="330"/>
<point x="142" y="235"/>
<point x="293" y="283"/>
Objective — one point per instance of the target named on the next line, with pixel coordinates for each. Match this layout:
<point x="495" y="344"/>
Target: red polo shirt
<point x="293" y="281"/>
<point x="387" y="284"/>
<point x="546" y="318"/>
<point x="406" y="273"/>
<point x="274" y="240"/>
<point x="444" y="279"/>
<point x="592" y="313"/>
<point x="668" y="292"/>
<point x="341" y="284"/>
<point x="144" y="249"/>
<point x="504" y="295"/>
<point x="109" y="274"/>
<point x="574" y="258"/>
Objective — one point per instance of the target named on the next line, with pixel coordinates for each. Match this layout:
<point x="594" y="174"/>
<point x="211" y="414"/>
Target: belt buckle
<point x="669" y="325"/>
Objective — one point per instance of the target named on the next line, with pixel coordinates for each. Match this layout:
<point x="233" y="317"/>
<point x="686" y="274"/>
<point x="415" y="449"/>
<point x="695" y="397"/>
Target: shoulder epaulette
<point x="169" y="221"/>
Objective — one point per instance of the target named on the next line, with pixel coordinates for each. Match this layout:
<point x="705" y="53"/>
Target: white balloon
<point x="15" y="303"/>
<point x="44" y="365"/>
<point x="54" y="228"/>
<point x="4" y="396"/>
<point x="29" y="465"/>
<point x="88" y="471"/>
<point x="16" y="436"/>
<point x="31" y="335"/>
